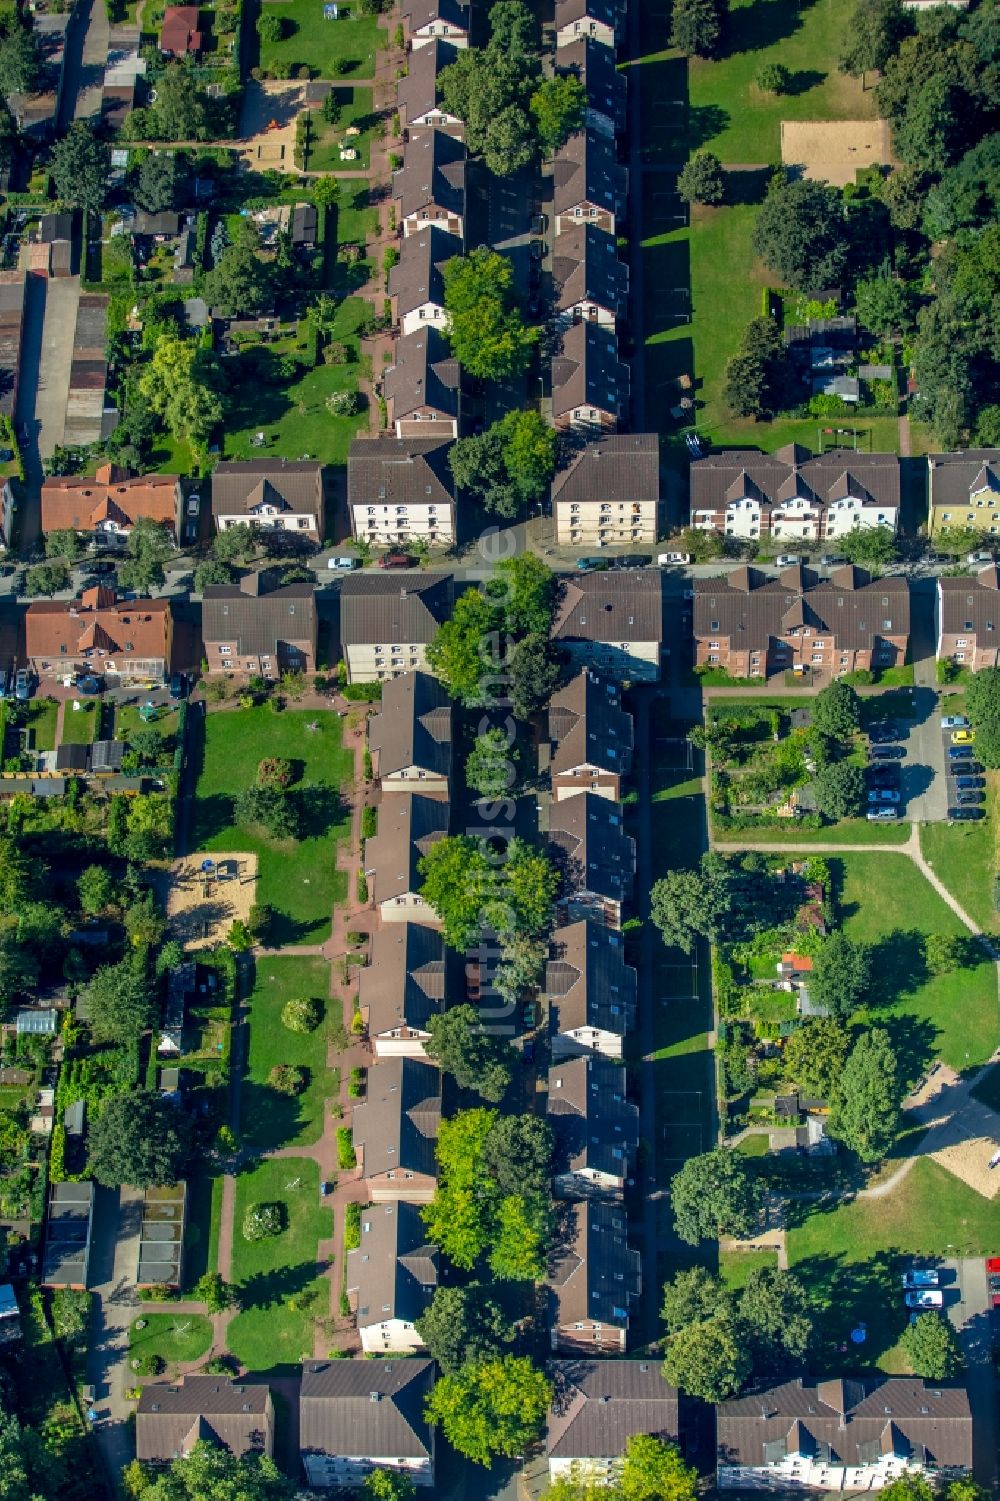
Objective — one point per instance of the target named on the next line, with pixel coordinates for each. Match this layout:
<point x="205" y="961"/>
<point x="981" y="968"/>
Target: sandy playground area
<point x="833" y="150"/>
<point x="963" y="1133"/>
<point x="202" y="904"/>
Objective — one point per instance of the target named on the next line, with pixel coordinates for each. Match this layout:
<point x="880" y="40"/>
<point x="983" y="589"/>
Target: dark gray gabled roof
<point x="394" y="1270"/>
<point x="591" y="848"/>
<point x="608" y="11"/>
<point x="585" y="170"/>
<point x="417" y="278"/>
<point x="598" y="1405"/>
<point x="397" y="1125"/>
<point x="407" y="828"/>
<point x="423" y="12"/>
<point x="258" y="623"/>
<point x="592" y="1271"/>
<point x="619" y="467"/>
<point x="404" y="985"/>
<point x="413" y="725"/>
<point x="751" y="608"/>
<point x="587" y="980"/>
<point x="848" y="1421"/>
<point x="587" y="372"/>
<point x="593" y="63"/>
<point x="432" y="174"/>
<point x="292" y="485"/>
<point x="840" y="473"/>
<point x="611" y="606"/>
<point x="586" y="268"/>
<point x="173" y="1416"/>
<point x="589" y="727"/>
<point x="399" y="471"/>
<point x="972" y="605"/>
<point x="596" y="1125"/>
<point x="387" y="608"/>
<point x="418" y="92"/>
<point x="956" y="477"/>
<point x="425" y="374"/>
<point x="366" y="1407"/>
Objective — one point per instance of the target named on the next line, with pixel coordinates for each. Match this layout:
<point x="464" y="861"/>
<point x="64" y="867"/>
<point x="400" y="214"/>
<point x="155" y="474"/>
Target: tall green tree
<point x="491" y="1407"/>
<point x="148" y="548"/>
<point x="702" y="179"/>
<point x="558" y="106"/>
<point x="866" y="1112"/>
<point x="80" y="165"/>
<point x="869" y="546"/>
<point x="463" y="1324"/>
<point x="841" y="975"/>
<point x="488" y="336"/>
<point x="139" y="1139"/>
<point x="241" y="284"/>
<point x="20" y="62"/>
<point x="160" y="182"/>
<point x="714" y="1194"/>
<point x="931" y="1347"/>
<point x="774" y="1310"/>
<point x="836" y="710"/>
<point x="119" y="1002"/>
<point x="491" y="765"/>
<point x="982" y="701"/>
<point x="696" y="27"/>
<point x="181" y="109"/>
<point x="815" y="1055"/>
<point x="465" y="651"/>
<point x="525" y="589"/>
<point x="534" y="672"/>
<point x="182" y="384"/>
<point x="211" y="1473"/>
<point x="708" y="1359"/>
<point x="840" y="790"/>
<point x="686" y="904"/>
<point x="655" y="1471"/>
<point x="801" y="235"/>
<point x="525" y="897"/>
<point x="458" y="880"/>
<point x="875" y="31"/>
<point x="691" y="1296"/>
<point x="461" y="1045"/>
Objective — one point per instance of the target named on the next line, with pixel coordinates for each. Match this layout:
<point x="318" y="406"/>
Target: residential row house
<point x="391" y="1277"/>
<point x="404" y="987"/>
<point x="410" y="737"/>
<point x="612" y="622"/>
<point x="388" y="620"/>
<point x="422" y="386"/>
<point x="408" y="827"/>
<point x="603" y="20"/>
<point x="416" y="282"/>
<point x="591" y="61"/>
<point x="356" y="1416"/>
<point x="752" y="624"/>
<point x="105" y="509"/>
<point x="590" y="384"/>
<point x="595" y="859"/>
<point x="609" y="492"/>
<point x="257" y="628"/>
<point x="591" y="992"/>
<point x="794" y="495"/>
<point x="590" y="739"/>
<point x="429" y="189"/>
<point x="285" y="495"/>
<point x="597" y="1406"/>
<point x="596" y="1127"/>
<point x="428" y="20"/>
<point x="589" y="282"/>
<point x="173" y="1416"/>
<point x="400" y="490"/>
<point x="418" y="95"/>
<point x="594" y="1280"/>
<point x="396" y="1129"/>
<point x="99" y="634"/>
<point x="968" y="619"/>
<point x="963" y="491"/>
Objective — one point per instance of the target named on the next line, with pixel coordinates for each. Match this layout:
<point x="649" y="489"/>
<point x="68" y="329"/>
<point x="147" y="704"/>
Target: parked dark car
<point x="395" y="560"/>
<point x="965" y="815"/>
<point x="881" y="731"/>
<point x="960" y="753"/>
<point x="178" y="685"/>
<point x="884" y="774"/>
<point x="886" y="753"/>
<point x="966" y="799"/>
<point x="631" y="560"/>
<point x="966" y="782"/>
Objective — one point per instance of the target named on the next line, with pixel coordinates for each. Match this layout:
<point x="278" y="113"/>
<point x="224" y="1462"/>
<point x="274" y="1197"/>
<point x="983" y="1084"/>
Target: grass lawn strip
<point x="314" y="42"/>
<point x="281" y="1288"/>
<point x="735" y="1267"/>
<point x="40" y="717"/>
<point x="271" y="1119"/>
<point x="79" y="724"/>
<point x="887" y="902"/>
<point x="175" y="1337"/>
<point x="297" y="877"/>
<point x="964" y="857"/>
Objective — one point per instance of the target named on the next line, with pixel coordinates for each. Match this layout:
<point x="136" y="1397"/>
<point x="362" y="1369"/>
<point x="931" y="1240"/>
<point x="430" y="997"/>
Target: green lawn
<point x="176" y="1337"/>
<point x="848" y="831"/>
<point x="356" y="112"/>
<point x="887" y="902"/>
<point x="281" y="1289"/>
<point x="201" y="1226"/>
<point x="297" y="878"/>
<point x="964" y="856"/>
<point x="356" y="218"/>
<point x="735" y="1266"/>
<point x="846" y="1256"/>
<point x="127" y="720"/>
<point x="318" y="44"/>
<point x="40" y="717"/>
<point x="293" y="415"/>
<point x="270" y="1119"/>
<point x="79" y="724"/>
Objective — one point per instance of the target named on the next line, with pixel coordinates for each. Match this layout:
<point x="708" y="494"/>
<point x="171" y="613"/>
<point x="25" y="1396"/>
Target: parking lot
<point x="912" y="752"/>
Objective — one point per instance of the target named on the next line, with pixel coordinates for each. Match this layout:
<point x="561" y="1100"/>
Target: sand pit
<point x="202" y="905"/>
<point x="834" y="150"/>
<point x="963" y="1133"/>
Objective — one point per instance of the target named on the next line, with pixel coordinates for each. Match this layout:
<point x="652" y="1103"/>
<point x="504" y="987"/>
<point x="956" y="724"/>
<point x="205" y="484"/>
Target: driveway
<point x="971" y="1316"/>
<point x="923" y="783"/>
<point x="114" y="1264"/>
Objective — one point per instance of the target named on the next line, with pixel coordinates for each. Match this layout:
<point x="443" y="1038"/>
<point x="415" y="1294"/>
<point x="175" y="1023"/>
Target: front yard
<point x="297" y="877"/>
<point x="281" y="1289"/>
<point x="174" y="1337"/>
<point x="269" y="1118"/>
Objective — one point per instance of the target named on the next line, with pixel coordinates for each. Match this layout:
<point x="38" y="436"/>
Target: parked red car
<point x="395" y="560"/>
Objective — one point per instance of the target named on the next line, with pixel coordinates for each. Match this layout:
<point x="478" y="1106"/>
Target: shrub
<point x="274" y="771"/>
<point x="362" y="888"/>
<point x="346" y="1155"/>
<point x="343" y="403"/>
<point x="773" y="78"/>
<point x="369" y="823"/>
<point x="352" y="1227"/>
<point x="262" y="1221"/>
<point x="302" y="1015"/>
<point x="287" y="1079"/>
<point x="368" y="767"/>
<point x="148" y="1365"/>
<point x="355" y="1088"/>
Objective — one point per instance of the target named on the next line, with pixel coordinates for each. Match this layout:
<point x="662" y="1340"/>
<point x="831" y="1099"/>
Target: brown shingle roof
<point x="258" y="623"/>
<point x="424" y="374"/>
<point x="413" y="725"/>
<point x="750" y="608"/>
<point x="394" y="1270"/>
<point x="366" y="1408"/>
<point x="620" y="467"/>
<point x="593" y="63"/>
<point x="404" y="985"/>
<point x="596" y="1126"/>
<point x="586" y="268"/>
<point x="587" y="726"/>
<point x="387" y="609"/>
<point x="598" y="1405"/>
<point x="172" y="1417"/>
<point x="585" y="171"/>
<point x="416" y="278"/>
<point x="972" y="606"/>
<point x="587" y="980"/>
<point x="418" y="92"/>
<point x="851" y="1418"/>
<point x="432" y="174"/>
<point x="955" y="477"/>
<point x="399" y="471"/>
<point x="239" y="488"/>
<point x="407" y="828"/>
<point x="568" y="11"/>
<point x="95" y="622"/>
<point x="585" y="1267"/>
<point x="73" y="502"/>
<point x="423" y="12"/>
<point x="397" y="1124"/>
<point x="180" y="32"/>
<point x="591" y="847"/>
<point x="611" y="607"/>
<point x="588" y="372"/>
<point x="745" y="474"/>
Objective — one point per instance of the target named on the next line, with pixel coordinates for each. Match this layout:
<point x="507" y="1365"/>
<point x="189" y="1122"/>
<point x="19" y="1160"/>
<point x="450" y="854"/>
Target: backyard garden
<point x="328" y="42"/>
<point x="287" y="1082"/>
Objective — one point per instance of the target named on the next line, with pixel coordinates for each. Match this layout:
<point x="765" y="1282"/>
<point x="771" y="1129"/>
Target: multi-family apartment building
<point x="400" y="490"/>
<point x="968" y="619"/>
<point x="609" y="492"/>
<point x="793" y="494"/>
<point x="963" y="491"/>
<point x="387" y="621"/>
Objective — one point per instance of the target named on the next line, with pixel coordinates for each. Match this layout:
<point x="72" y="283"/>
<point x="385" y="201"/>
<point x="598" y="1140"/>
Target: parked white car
<point x="925" y="1298"/>
<point x="921" y="1278"/>
<point x="954" y="722"/>
<point x="787" y="560"/>
<point x="666" y="559"/>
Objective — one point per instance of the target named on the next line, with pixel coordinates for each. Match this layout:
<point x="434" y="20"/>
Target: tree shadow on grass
<point x="269" y="1117"/>
<point x="747" y="187"/>
<point x="846" y="1295"/>
<point x="803" y="80"/>
<point x="320" y="810"/>
<point x="898" y="967"/>
<point x="753" y="27"/>
<point x="704" y="123"/>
